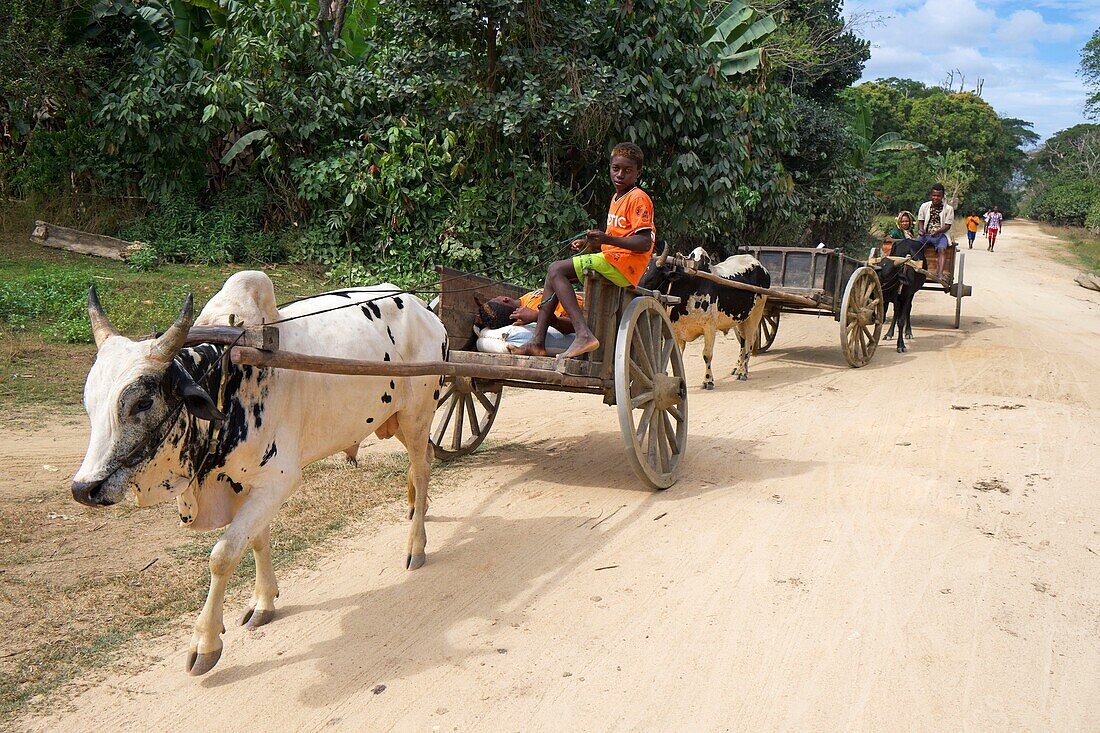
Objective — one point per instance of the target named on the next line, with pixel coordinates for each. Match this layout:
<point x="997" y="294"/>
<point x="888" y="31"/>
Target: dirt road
<point x="909" y="546"/>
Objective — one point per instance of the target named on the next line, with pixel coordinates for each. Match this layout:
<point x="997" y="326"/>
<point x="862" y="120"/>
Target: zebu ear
<point x="195" y="398"/>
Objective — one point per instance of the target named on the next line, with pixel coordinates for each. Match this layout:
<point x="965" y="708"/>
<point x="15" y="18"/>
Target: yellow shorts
<point x="598" y="263"/>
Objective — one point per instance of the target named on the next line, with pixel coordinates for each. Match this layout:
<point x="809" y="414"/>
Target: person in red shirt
<point x="620" y="252"/>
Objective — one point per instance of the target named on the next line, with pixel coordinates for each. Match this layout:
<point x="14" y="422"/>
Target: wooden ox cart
<point x="817" y="282"/>
<point x="637" y="368"/>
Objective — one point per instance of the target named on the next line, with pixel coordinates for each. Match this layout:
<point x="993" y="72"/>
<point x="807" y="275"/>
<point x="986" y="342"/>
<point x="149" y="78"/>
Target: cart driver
<point x="620" y="252"/>
<point x="934" y="218"/>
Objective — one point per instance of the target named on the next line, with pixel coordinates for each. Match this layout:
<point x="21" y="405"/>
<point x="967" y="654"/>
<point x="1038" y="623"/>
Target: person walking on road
<point x="972" y="223"/>
<point x="934" y="218"/>
<point x="995" y="219"/>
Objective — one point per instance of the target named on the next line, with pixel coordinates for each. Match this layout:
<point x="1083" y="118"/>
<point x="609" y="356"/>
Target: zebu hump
<point x="247" y="295"/>
<point x="734" y="266"/>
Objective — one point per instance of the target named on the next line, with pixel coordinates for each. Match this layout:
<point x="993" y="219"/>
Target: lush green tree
<point x="815" y="53"/>
<point x="1090" y="71"/>
<point x="46" y="65"/>
<point x="1064" y="177"/>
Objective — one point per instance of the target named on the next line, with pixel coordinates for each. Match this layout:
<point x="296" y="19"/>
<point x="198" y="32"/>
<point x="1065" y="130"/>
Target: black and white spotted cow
<point x="706" y="307"/>
<point x="900" y="284"/>
<point x="228" y="443"/>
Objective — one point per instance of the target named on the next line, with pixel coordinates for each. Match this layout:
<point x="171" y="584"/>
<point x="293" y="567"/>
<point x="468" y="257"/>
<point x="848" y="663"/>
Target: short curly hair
<point x="629" y="150"/>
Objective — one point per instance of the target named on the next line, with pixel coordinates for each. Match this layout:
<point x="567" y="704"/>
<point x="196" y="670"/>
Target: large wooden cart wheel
<point x="769" y="326"/>
<point x="861" y="316"/>
<point x="650" y="393"/>
<point x="463" y="416"/>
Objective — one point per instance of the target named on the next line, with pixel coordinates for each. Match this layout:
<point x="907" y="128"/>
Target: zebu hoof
<point x="708" y="385"/>
<point x="352" y="461"/>
<point x="742" y="377"/>
<point x="903" y="349"/>
<point x="254" y="619"/>
<point x="908" y="334"/>
<point x="415" y="561"/>
<point x="200" y="664"/>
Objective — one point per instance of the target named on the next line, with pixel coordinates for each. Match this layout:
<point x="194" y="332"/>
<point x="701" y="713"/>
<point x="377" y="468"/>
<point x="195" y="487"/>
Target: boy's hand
<point x="522" y="316"/>
<point x="595" y="236"/>
<point x="579" y="245"/>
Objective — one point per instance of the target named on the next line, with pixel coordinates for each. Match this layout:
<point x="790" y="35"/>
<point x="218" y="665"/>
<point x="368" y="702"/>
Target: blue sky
<point x="1027" y="52"/>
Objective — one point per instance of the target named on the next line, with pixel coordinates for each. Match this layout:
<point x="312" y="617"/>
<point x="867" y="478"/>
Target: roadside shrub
<point x="60" y="297"/>
<point x="1066" y="199"/>
<point x="1092" y="220"/>
<point x="407" y="199"/>
<point x="181" y="228"/>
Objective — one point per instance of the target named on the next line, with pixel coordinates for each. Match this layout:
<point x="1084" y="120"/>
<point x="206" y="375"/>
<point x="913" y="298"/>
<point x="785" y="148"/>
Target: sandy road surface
<point x="826" y="562"/>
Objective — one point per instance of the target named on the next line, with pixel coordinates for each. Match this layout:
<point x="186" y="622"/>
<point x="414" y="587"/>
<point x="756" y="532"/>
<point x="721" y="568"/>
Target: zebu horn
<point x="101" y="326"/>
<point x="663" y="256"/>
<point x="169" y="344"/>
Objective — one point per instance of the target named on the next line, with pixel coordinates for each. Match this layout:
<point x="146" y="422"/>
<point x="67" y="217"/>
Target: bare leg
<point x="750" y="330"/>
<point x="414" y="436"/>
<point x="940" y="254"/>
<point x="709" y="333"/>
<point x="261" y="609"/>
<point x="559" y="280"/>
<point x="253" y="518"/>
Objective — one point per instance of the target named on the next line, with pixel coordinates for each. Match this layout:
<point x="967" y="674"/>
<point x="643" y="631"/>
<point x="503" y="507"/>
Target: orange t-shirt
<point x="533" y="300"/>
<point x="972" y="223"/>
<point x="629" y="214"/>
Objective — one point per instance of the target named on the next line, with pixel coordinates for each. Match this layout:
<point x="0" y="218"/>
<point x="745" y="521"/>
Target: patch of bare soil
<point x="76" y="583"/>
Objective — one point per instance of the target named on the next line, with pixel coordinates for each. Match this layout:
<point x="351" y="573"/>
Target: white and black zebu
<point x="228" y="442"/>
<point x="707" y="307"/>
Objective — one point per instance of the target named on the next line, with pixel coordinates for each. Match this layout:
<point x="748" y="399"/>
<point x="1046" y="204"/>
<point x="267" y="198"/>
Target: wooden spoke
<point x="667" y="345"/>
<point x="669" y="435"/>
<point x="474" y="426"/>
<point x="442" y="429"/>
<point x="643" y="423"/>
<point x="644" y="363"/>
<point x="456" y="437"/>
<point x="485" y="401"/>
<point x="674" y="410"/>
<point x="638" y="373"/>
<point x="641" y="399"/>
<point x="446" y="395"/>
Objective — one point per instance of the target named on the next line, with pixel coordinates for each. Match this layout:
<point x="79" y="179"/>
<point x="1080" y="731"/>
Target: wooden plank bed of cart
<point x="637" y="368"/>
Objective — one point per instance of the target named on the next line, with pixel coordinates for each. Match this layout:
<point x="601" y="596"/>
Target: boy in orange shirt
<point x="625" y="246"/>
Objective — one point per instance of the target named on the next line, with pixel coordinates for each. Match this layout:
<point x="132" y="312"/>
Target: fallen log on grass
<point x="85" y="243"/>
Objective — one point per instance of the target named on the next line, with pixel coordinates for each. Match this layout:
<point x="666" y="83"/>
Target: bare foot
<point x="529" y="349"/>
<point x="580" y="346"/>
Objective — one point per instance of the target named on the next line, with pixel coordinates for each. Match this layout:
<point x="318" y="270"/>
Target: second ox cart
<point x="819" y="282"/>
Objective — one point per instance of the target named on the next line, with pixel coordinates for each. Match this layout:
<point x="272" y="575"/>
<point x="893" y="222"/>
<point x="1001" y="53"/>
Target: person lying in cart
<point x="504" y="324"/>
<point x="624" y="248"/>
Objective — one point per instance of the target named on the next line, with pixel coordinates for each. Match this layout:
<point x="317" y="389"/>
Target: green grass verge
<point x="1083" y="246"/>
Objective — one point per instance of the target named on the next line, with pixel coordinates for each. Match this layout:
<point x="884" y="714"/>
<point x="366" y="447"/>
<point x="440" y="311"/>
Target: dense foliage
<point x="1090" y="72"/>
<point x="963" y="142"/>
<point x="381" y="139"/>
<point x="1064" y="178"/>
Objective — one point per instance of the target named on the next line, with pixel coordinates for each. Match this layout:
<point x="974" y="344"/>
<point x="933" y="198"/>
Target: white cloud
<point x="1024" y="28"/>
<point x="1018" y="52"/>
